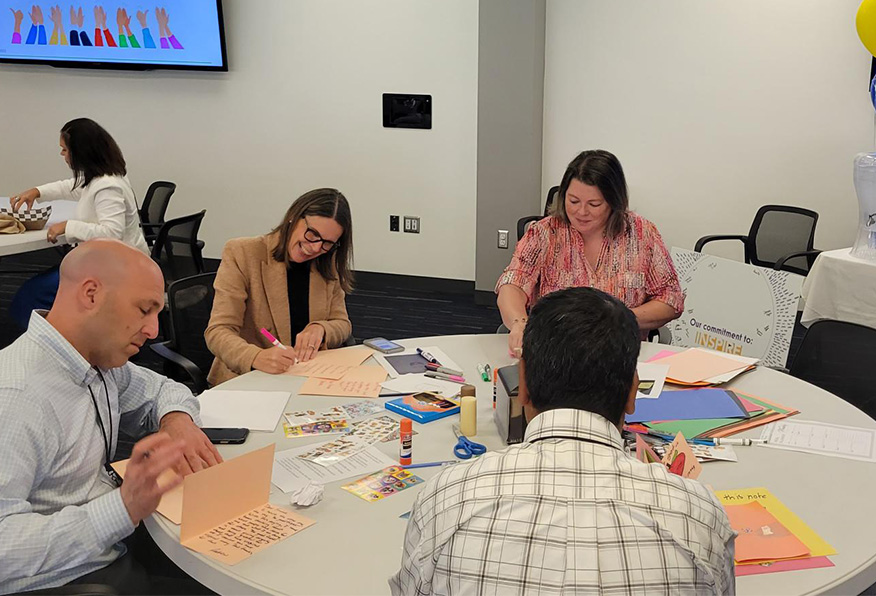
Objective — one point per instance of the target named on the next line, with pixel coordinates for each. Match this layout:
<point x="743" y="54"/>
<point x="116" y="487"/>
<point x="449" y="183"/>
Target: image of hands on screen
<point x="120" y="32"/>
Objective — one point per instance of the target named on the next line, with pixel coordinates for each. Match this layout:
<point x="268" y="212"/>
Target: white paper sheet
<point x="292" y="473"/>
<point x="420" y="382"/>
<point x="824" y="439"/>
<point x="255" y="410"/>
<point x="656" y="372"/>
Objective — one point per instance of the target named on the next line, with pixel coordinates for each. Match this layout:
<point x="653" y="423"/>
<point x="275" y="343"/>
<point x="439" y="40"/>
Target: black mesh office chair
<point x="177" y="249"/>
<point x="524" y="222"/>
<point x="838" y="357"/>
<point x="155" y="207"/>
<point x="781" y="237"/>
<point x="187" y="359"/>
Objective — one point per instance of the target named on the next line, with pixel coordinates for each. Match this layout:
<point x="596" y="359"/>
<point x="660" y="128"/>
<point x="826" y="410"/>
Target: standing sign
<point x="735" y="308"/>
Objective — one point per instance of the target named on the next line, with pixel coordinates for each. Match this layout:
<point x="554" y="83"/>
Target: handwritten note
<point x="230" y="525"/>
<point x="243" y="536"/>
<point x="361" y="381"/>
<point x="331" y="364"/>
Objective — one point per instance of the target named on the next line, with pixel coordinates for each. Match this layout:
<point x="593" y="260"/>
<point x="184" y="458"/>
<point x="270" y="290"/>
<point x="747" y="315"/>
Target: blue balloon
<point x="873" y="92"/>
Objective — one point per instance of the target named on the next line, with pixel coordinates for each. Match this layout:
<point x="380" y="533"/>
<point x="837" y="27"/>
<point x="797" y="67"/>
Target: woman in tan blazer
<point x="292" y="282"/>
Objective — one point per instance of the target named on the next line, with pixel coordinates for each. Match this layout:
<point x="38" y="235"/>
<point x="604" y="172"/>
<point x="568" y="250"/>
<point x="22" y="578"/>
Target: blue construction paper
<point x="691" y="404"/>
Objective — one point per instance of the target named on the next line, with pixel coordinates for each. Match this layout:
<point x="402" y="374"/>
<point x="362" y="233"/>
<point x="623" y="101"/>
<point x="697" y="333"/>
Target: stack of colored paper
<point x="339" y="373"/>
<point x="696" y="367"/>
<point x="759" y="412"/>
<point x="770" y="537"/>
<point x="689" y="405"/>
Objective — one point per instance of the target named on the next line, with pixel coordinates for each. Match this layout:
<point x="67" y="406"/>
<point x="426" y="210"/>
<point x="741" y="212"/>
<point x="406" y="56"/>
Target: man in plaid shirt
<point x="568" y="511"/>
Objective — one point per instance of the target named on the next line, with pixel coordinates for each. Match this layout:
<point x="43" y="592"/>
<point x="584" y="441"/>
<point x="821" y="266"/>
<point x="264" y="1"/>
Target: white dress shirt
<point x="565" y="512"/>
<point x="105" y="209"/>
<point x="60" y="515"/>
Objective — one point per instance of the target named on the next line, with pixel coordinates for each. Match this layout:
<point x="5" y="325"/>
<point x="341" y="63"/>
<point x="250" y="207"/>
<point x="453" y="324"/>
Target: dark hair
<point x="580" y="347"/>
<point x="601" y="169"/>
<point x="93" y="152"/>
<point x="323" y="202"/>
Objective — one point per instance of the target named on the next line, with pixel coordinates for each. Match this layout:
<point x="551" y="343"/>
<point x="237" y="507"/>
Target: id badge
<point x="113" y="475"/>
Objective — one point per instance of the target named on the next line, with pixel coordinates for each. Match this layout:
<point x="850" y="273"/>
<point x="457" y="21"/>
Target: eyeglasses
<point x="313" y="237"/>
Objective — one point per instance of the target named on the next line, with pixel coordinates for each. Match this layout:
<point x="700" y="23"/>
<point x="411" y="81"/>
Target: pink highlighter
<point x="274" y="341"/>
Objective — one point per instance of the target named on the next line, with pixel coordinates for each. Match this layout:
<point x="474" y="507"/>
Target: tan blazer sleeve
<point x="226" y="319"/>
<point x="337" y="326"/>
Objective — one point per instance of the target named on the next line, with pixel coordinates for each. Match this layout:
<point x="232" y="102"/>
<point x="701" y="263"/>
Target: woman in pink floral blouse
<point x="591" y="239"/>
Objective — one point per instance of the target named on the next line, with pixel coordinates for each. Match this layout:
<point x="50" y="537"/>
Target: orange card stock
<point x="360" y="381"/>
<point x="760" y="535"/>
<point x="226" y="514"/>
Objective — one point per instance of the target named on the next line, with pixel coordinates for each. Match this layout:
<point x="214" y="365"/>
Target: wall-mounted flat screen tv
<point x="120" y="34"/>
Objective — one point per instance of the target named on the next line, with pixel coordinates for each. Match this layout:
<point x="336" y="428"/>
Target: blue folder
<point x="691" y="404"/>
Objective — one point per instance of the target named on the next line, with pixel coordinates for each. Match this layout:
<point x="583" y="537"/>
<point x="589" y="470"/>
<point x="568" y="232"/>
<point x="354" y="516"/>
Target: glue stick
<point x="405" y="448"/>
<point x="468" y="411"/>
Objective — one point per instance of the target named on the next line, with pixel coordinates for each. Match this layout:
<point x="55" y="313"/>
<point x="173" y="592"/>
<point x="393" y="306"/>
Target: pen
<point x="274" y="341"/>
<point x="484" y="371"/>
<point x="731" y="441"/>
<point x="429" y="464"/>
<point x="428" y="356"/>
<point x="670" y="438"/>
<point x="443" y="377"/>
<point x="443" y="369"/>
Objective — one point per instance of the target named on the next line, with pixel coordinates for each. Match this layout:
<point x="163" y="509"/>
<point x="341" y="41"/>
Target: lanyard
<point x="107" y="440"/>
<point x="582" y="439"/>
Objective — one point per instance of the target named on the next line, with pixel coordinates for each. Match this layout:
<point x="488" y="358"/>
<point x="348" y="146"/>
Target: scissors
<point x="465" y="447"/>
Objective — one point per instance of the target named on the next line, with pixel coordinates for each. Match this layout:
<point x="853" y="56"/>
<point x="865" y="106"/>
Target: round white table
<point x="355" y="546"/>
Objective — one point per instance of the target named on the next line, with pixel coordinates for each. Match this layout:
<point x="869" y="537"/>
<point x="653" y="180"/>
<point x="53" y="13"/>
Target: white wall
<point x="301" y="108"/>
<point x="714" y="108"/>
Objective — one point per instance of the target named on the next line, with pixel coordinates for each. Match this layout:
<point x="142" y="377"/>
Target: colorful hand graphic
<point x="124" y="21"/>
<point x="167" y="37"/>
<point x="99" y="17"/>
<point x="19" y="17"/>
<point x="142" y="18"/>
<point x="36" y="15"/>
<point x="77" y="18"/>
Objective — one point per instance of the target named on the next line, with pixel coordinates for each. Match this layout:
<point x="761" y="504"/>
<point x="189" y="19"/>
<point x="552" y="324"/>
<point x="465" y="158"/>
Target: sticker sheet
<point x="318" y="427"/>
<point x="374" y="430"/>
<point x="335" y="451"/>
<point x="385" y="483"/>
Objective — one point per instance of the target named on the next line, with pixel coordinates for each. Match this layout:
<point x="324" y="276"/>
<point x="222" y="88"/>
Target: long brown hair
<point x="322" y="202"/>
<point x="93" y="151"/>
<point x="601" y="169"/>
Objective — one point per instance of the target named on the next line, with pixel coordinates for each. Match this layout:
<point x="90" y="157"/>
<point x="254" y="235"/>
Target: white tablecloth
<point x="840" y="287"/>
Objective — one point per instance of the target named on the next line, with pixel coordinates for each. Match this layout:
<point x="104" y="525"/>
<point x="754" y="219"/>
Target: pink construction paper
<point x="659" y="355"/>
<point x="789" y="565"/>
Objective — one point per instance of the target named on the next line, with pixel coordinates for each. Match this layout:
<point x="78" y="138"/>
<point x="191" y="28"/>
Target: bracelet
<point x="519" y="320"/>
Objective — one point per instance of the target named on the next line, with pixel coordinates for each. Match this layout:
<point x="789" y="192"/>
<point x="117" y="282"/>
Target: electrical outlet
<point x="393" y="223"/>
<point x="412" y="224"/>
<point x="503" y="239"/>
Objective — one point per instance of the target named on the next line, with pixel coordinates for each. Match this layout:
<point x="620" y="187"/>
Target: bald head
<point x="108" y="261"/>
<point x="108" y="301"/>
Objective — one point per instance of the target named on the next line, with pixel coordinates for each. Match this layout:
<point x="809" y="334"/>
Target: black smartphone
<point x="226" y="436"/>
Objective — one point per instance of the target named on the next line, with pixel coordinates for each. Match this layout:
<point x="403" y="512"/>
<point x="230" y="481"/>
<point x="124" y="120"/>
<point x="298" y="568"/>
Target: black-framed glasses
<point x="313" y="237"/>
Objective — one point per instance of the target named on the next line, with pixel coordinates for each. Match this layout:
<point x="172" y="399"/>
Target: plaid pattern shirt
<point x="60" y="515"/>
<point x="565" y="512"/>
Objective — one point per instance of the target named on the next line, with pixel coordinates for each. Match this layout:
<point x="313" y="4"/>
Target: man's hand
<point x="150" y="458"/>
<point x="198" y="451"/>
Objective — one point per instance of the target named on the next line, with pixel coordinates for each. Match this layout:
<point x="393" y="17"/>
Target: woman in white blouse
<point x="105" y="208"/>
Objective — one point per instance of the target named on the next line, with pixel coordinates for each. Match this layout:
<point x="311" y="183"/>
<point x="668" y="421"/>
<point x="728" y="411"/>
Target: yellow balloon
<point x="865" y="23"/>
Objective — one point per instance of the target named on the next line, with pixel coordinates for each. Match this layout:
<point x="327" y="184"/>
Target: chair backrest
<point x="838" y="356"/>
<point x="548" y="201"/>
<point x="779" y="230"/>
<point x="156" y="201"/>
<point x="177" y="249"/>
<point x="190" y="301"/>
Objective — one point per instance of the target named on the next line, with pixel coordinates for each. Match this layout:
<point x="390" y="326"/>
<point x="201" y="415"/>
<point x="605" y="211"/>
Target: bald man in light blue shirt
<point x="66" y="390"/>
